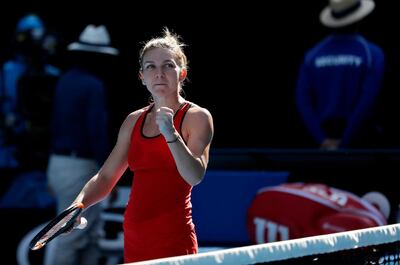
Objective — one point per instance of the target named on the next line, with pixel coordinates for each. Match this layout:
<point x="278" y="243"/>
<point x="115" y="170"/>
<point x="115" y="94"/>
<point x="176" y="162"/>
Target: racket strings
<point x="57" y="227"/>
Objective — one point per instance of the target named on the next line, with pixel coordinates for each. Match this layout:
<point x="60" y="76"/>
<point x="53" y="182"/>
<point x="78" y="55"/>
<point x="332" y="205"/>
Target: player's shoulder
<point x="132" y="117"/>
<point x="197" y="111"/>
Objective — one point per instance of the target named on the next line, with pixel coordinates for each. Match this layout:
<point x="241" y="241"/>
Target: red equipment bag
<point x="295" y="210"/>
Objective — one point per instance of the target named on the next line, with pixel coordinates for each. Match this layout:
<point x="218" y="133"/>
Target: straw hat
<point x="340" y="13"/>
<point x="94" y="39"/>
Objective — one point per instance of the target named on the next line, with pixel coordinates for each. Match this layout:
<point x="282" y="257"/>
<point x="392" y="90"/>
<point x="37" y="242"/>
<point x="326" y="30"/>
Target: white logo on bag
<point x="334" y="196"/>
<point x="273" y="230"/>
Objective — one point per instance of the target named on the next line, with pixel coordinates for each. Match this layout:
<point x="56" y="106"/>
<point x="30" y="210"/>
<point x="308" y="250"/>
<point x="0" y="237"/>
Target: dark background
<point x="243" y="58"/>
<point x="243" y="63"/>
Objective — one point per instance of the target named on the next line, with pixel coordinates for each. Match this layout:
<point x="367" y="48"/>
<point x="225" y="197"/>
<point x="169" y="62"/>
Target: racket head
<point x="60" y="224"/>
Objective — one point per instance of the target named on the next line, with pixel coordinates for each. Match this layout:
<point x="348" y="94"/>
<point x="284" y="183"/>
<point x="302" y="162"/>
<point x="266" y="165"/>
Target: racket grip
<point x="83" y="223"/>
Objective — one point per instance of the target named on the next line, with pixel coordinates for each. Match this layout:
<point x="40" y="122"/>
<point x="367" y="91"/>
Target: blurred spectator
<point x="340" y="80"/>
<point x="80" y="141"/>
<point x="26" y="84"/>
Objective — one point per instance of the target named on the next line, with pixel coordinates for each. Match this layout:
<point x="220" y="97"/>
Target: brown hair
<point x="168" y="41"/>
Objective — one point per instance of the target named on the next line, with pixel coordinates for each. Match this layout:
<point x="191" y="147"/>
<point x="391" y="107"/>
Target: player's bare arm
<point x="192" y="158"/>
<point x="113" y="168"/>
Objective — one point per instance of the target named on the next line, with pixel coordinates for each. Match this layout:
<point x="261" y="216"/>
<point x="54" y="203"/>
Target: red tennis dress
<point x="158" y="217"/>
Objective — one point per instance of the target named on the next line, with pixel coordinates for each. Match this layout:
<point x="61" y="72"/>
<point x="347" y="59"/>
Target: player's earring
<point x="143" y="82"/>
<point x="183" y="74"/>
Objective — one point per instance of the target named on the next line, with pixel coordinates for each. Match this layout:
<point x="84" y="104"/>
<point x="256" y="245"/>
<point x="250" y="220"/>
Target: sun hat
<point x="340" y="13"/>
<point x="94" y="39"/>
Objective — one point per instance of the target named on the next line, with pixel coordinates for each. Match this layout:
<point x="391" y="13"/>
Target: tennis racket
<point x="64" y="222"/>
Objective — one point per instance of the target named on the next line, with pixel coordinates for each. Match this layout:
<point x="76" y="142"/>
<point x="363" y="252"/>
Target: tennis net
<point x="377" y="245"/>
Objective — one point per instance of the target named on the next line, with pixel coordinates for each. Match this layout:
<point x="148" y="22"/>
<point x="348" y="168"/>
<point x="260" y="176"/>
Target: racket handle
<point x="83" y="223"/>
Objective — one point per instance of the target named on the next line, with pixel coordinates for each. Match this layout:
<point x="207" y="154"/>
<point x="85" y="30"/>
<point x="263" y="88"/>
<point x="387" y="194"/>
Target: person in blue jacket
<point x="340" y="79"/>
<point x="80" y="138"/>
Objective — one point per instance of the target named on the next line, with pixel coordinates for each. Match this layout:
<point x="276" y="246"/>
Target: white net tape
<point x="288" y="249"/>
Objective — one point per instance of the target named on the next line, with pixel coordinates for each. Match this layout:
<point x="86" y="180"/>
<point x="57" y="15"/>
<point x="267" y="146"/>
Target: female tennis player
<point x="166" y="145"/>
